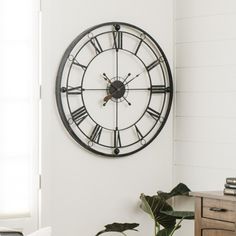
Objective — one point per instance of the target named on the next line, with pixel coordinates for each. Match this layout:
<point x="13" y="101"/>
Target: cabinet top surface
<point x="213" y="194"/>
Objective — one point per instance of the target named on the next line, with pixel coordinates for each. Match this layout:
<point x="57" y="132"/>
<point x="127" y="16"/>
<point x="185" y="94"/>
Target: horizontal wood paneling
<point x="216" y="27"/>
<point x="205" y="119"/>
<point x="191" y="8"/>
<point x="206" y="54"/>
<point x="205" y="129"/>
<point x="207" y="104"/>
<point x="206" y="79"/>
<point x="201" y="178"/>
<point x="205" y="154"/>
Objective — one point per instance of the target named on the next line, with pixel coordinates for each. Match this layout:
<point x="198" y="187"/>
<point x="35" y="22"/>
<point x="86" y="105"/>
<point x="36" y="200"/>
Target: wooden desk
<point x="215" y="214"/>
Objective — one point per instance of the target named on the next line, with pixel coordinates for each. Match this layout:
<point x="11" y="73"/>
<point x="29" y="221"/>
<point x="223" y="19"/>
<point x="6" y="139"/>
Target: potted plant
<point x="166" y="219"/>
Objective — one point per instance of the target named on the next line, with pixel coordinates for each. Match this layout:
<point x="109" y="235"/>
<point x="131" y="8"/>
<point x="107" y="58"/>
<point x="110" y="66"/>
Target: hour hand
<point x="106" y="99"/>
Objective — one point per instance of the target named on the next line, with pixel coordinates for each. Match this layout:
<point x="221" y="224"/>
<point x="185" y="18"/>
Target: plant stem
<point x="156" y="228"/>
<point x="123" y="233"/>
<point x="172" y="232"/>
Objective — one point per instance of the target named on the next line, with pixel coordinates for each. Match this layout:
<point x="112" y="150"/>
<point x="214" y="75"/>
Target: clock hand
<point x="134" y="77"/>
<point x="127" y="101"/>
<point x="109" y="96"/>
<point x="106" y="99"/>
<point x="108" y="80"/>
<point x="104" y="76"/>
<point x="116" y="89"/>
<point x="126" y="77"/>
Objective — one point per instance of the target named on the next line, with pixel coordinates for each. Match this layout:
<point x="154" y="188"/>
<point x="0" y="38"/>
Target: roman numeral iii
<point x="160" y="89"/>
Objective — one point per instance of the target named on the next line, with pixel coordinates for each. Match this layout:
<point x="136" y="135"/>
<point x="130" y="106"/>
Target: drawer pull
<point x="217" y="209"/>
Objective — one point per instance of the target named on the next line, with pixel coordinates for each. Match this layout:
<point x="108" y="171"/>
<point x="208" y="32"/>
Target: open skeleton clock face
<point x="114" y="89"/>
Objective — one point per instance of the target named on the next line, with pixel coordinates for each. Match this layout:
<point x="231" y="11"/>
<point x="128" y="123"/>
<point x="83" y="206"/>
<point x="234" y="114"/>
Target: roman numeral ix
<point x="72" y="90"/>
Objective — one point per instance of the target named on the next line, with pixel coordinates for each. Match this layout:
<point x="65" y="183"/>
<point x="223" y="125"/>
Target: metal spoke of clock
<point x="94" y="89"/>
<point x="117" y="123"/>
<point x="130" y="89"/>
<point x="117" y="69"/>
<point x="141" y="89"/>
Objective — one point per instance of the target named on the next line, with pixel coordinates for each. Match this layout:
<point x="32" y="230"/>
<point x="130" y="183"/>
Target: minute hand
<point x="132" y="78"/>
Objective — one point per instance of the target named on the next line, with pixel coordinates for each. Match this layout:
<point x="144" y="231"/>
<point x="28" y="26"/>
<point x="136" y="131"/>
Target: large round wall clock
<point x="114" y="89"/>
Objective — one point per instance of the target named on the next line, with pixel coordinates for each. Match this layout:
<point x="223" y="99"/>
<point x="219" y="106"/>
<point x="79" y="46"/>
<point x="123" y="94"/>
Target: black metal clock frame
<point x="116" y="90"/>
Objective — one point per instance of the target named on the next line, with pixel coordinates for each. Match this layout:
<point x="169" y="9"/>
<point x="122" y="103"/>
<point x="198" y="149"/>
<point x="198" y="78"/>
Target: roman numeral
<point x="154" y="114"/>
<point x="117" y="140"/>
<point x="138" y="47"/>
<point x="153" y="65"/>
<point x="96" y="134"/>
<point x="79" y="115"/>
<point x="72" y="90"/>
<point x="118" y="40"/>
<point x="139" y="134"/>
<point x="76" y="63"/>
<point x="160" y="89"/>
<point x="97" y="46"/>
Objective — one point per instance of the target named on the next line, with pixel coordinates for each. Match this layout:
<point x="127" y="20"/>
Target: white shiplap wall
<point x="82" y="192"/>
<point x="205" y="69"/>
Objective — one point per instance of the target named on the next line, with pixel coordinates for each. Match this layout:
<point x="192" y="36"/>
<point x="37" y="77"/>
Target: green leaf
<point x="167" y="232"/>
<point x="118" y="227"/>
<point x="153" y="205"/>
<point x="187" y="215"/>
<point x="180" y="189"/>
<point x="164" y="232"/>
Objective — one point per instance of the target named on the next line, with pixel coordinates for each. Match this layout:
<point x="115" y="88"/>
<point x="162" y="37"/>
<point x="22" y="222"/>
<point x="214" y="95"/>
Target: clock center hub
<point x="117" y="89"/>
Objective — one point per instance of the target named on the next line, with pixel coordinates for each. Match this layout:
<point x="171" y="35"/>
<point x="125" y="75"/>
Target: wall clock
<point x="114" y="89"/>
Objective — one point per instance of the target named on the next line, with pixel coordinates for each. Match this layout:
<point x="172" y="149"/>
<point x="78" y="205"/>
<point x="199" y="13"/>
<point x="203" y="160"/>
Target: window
<point x="19" y="103"/>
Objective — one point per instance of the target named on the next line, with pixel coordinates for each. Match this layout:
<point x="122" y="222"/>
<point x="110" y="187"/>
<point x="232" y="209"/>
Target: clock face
<point x="114" y="89"/>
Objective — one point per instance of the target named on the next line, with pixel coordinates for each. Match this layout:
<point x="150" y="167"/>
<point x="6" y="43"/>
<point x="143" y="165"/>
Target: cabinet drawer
<point x="207" y="223"/>
<point x="219" y="210"/>
<point x="209" y="232"/>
